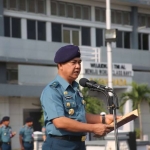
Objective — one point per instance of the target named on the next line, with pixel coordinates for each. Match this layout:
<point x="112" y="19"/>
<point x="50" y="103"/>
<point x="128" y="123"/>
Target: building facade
<point x="32" y="30"/>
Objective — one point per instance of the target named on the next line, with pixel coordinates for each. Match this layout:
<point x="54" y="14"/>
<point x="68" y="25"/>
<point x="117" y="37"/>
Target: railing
<point x="145" y="2"/>
<point x="90" y="53"/>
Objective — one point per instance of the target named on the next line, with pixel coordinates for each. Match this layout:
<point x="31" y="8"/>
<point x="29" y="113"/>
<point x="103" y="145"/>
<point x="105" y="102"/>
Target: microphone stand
<point x="112" y="109"/>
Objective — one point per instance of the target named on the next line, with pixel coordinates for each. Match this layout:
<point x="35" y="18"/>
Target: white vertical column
<point x="48" y="7"/>
<point x="48" y="32"/>
<point x="93" y="37"/>
<point x="92" y="13"/>
<point x="93" y="31"/>
<point x="24" y="28"/>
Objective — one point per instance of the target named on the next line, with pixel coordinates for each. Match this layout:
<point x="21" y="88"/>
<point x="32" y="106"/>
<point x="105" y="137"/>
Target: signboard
<point x="122" y="73"/>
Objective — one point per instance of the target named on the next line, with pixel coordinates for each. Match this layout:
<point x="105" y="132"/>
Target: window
<point x="5" y="3"/>
<point x="41" y="30"/>
<point x="22" y="5"/>
<point x="100" y="14"/>
<point x="97" y="14"/>
<point x="123" y="39"/>
<point x="12" y="4"/>
<point x="16" y="28"/>
<point x="99" y="37"/>
<point x="62" y="11"/>
<point x="86" y="36"/>
<point x="31" y="6"/>
<point x="53" y="8"/>
<point x="41" y="6"/>
<point x="7" y="26"/>
<point x="70" y="11"/>
<point x="119" y="17"/>
<point x="126" y="18"/>
<point x="86" y="13"/>
<point x="31" y="29"/>
<point x="65" y="9"/>
<point x="56" y="32"/>
<point x="36" y="30"/>
<point x="12" y="73"/>
<point x="12" y="27"/>
<point x="71" y="34"/>
<point x="143" y="41"/>
<point x="78" y="14"/>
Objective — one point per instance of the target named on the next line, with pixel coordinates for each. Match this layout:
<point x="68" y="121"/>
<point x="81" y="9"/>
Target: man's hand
<point x="102" y="129"/>
<point x="22" y="148"/>
<point x="110" y="118"/>
<point x="13" y="133"/>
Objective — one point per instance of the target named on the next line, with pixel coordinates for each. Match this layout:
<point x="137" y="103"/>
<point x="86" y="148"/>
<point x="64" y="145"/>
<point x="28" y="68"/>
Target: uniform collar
<point x="65" y="84"/>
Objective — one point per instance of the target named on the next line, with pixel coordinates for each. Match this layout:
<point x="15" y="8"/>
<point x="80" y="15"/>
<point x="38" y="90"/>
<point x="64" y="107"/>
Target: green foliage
<point x="93" y="104"/>
<point x="42" y="119"/>
<point x="138" y="94"/>
<point x="137" y="131"/>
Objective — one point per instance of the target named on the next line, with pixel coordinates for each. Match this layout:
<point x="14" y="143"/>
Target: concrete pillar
<point x="93" y="37"/>
<point x="134" y="23"/>
<point x="24" y="28"/>
<point x="48" y="7"/>
<point x="1" y="19"/>
<point x="48" y="32"/>
<point x="92" y="13"/>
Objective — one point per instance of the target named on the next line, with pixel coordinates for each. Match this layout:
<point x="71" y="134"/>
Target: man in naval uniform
<point x="6" y="134"/>
<point x="64" y="107"/>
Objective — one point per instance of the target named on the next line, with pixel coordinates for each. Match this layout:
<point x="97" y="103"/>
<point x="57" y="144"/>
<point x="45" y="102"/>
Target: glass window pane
<point x="86" y="36"/>
<point x="22" y="5"/>
<point x="78" y="14"/>
<point x="41" y="6"/>
<point x="103" y="15"/>
<point x="5" y="3"/>
<point x="62" y="10"/>
<point x="86" y="14"/>
<point x="113" y="17"/>
<point x="31" y="29"/>
<point x="118" y="17"/>
<point x="31" y="6"/>
<point x="145" y="42"/>
<point x="66" y="36"/>
<point x="53" y="8"/>
<point x="99" y="37"/>
<point x="148" y="22"/>
<point x="139" y="41"/>
<point x="97" y="14"/>
<point x="119" y="40"/>
<point x="16" y="27"/>
<point x="12" y="4"/>
<point x="70" y="11"/>
<point x="126" y="18"/>
<point x="7" y="26"/>
<point x="143" y="20"/>
<point x="126" y="39"/>
<point x="75" y="37"/>
<point x="41" y="30"/>
<point x="56" y="32"/>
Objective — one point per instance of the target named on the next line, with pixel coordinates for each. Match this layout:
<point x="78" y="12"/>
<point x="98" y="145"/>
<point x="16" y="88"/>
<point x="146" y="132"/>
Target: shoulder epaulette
<point x="54" y="84"/>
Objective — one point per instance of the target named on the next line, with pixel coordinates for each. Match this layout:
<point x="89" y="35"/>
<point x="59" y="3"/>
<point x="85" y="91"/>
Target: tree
<point x="138" y="94"/>
<point x="93" y="104"/>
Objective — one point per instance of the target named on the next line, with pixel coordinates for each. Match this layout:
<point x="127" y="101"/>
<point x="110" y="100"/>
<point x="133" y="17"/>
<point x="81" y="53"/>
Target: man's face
<point x="30" y="124"/>
<point x="71" y="69"/>
<point x="6" y="123"/>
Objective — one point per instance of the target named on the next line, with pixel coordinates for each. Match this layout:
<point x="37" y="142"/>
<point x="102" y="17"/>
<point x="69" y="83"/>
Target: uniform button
<point x="68" y="104"/>
<point x="65" y="92"/>
<point x="83" y="102"/>
<point x="71" y="111"/>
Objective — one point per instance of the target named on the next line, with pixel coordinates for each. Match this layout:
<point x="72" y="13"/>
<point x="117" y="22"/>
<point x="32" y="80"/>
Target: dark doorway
<point x="36" y="115"/>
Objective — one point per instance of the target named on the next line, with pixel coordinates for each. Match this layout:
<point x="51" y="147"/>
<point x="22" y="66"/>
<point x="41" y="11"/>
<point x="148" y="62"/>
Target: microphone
<point x="92" y="84"/>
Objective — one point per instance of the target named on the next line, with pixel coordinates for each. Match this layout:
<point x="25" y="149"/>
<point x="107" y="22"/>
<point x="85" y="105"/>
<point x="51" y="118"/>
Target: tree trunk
<point x="140" y="122"/>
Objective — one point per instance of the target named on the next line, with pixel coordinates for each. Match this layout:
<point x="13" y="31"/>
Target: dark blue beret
<point x="29" y="119"/>
<point x="66" y="53"/>
<point x="6" y="118"/>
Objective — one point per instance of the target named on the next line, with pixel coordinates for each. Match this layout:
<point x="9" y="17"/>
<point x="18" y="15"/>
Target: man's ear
<point x="59" y="66"/>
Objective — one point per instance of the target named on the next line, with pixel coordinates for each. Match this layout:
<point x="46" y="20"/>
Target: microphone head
<point x="83" y="81"/>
